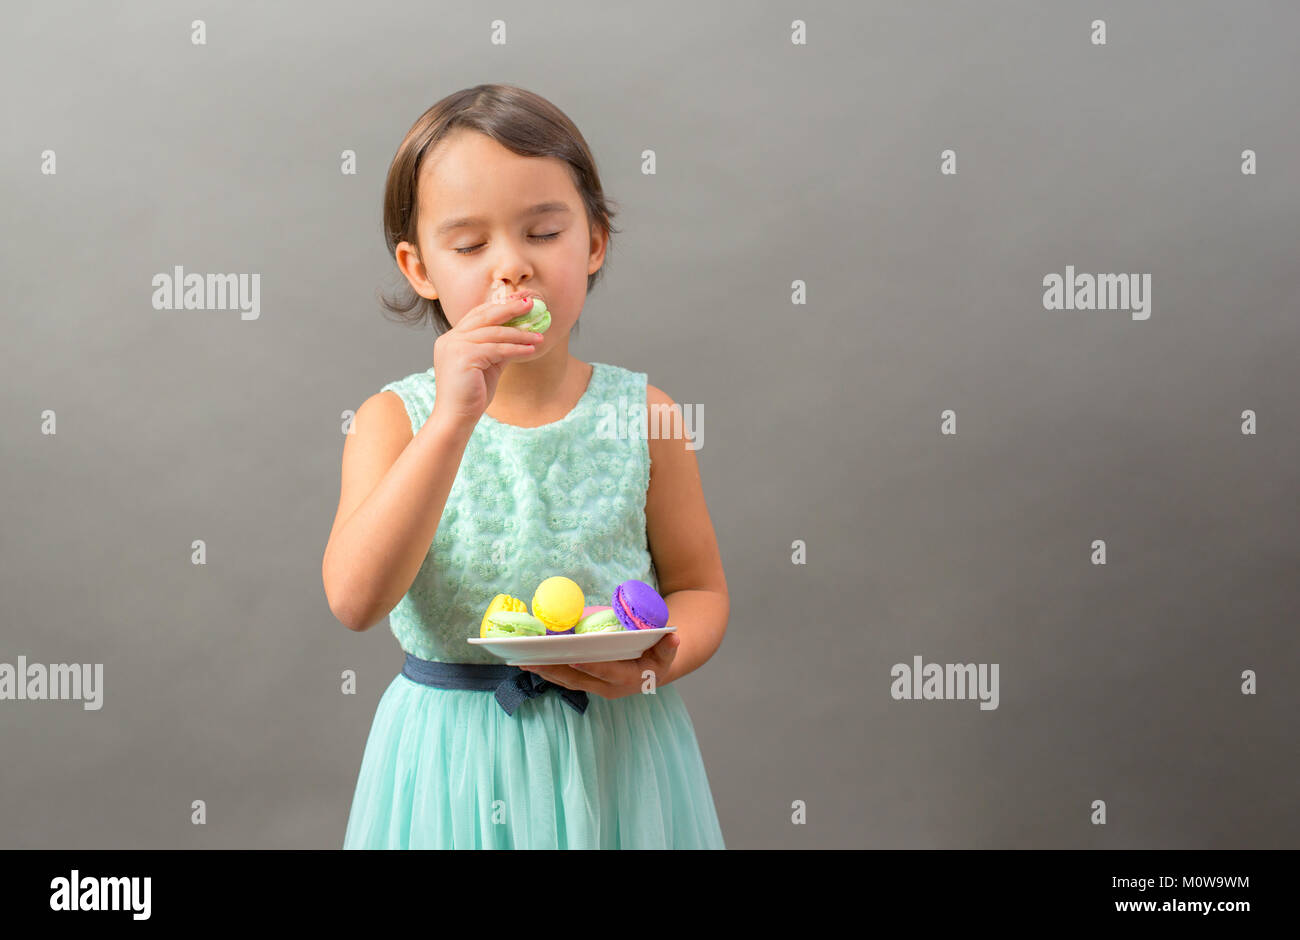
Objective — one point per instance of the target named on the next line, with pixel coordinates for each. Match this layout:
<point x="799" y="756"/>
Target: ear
<point x="412" y="268"/>
<point x="599" y="242"/>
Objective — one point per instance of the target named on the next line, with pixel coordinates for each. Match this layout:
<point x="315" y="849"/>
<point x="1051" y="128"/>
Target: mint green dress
<point x="449" y="769"/>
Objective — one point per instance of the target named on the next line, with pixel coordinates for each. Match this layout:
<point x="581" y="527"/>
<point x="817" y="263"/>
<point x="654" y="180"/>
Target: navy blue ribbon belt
<point x="510" y="683"/>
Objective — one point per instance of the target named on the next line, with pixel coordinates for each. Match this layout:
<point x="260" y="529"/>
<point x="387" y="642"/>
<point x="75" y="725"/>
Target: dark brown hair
<point x="519" y="120"/>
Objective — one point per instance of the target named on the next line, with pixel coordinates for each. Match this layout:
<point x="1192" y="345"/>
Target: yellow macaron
<point x="499" y="603"/>
<point x="558" y="603"/>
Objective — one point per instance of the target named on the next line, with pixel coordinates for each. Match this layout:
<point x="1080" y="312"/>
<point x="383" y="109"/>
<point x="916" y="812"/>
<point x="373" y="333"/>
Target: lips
<point x="501" y="295"/>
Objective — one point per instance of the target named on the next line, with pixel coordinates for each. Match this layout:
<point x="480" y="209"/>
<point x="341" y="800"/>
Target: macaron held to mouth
<point x="536" y="320"/>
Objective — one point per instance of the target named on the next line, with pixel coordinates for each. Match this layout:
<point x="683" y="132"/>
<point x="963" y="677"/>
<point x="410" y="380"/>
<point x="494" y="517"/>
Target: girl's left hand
<point x="614" y="679"/>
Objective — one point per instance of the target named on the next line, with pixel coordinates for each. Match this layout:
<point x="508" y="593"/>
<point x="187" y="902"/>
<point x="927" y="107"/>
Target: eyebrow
<point x="539" y="209"/>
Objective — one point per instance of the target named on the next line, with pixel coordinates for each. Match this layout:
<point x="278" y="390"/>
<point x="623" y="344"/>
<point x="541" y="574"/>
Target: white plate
<point x="569" y="648"/>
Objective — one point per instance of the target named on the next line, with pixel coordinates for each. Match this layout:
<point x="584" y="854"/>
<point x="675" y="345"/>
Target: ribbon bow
<point x="524" y="685"/>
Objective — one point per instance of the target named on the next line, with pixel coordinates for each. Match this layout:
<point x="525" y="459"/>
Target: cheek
<point x="576" y="279"/>
<point x="458" y="285"/>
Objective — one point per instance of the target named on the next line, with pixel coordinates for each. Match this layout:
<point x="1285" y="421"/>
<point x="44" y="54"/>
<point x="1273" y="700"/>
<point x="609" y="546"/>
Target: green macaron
<point x="505" y="623"/>
<point x="602" y="621"/>
<point x="536" y="320"/>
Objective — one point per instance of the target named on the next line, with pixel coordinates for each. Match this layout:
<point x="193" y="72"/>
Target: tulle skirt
<point x="449" y="769"/>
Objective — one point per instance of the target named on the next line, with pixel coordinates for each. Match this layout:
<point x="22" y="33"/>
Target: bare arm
<point x="393" y="492"/>
<point x="684" y="548"/>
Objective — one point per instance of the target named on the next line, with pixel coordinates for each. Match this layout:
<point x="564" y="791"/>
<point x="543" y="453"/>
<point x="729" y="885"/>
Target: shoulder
<point x="412" y="394"/>
<point x="657" y="396"/>
<point x="664" y="431"/>
<point x="384" y="416"/>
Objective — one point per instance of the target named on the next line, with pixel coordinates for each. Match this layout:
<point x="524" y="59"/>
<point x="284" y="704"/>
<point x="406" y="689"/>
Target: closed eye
<point x="473" y="248"/>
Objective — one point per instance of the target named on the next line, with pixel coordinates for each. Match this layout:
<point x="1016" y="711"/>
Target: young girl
<point x="495" y="470"/>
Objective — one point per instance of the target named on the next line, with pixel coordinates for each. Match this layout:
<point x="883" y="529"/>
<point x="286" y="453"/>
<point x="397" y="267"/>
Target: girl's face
<point x="492" y="192"/>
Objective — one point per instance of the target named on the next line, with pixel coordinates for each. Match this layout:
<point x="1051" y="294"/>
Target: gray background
<point x="776" y="162"/>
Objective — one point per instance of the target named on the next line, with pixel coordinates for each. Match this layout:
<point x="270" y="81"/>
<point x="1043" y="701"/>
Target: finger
<point x="486" y="355"/>
<point x="666" y="648"/>
<point x="665" y="651"/>
<point x="501" y="334"/>
<point x="630" y="673"/>
<point x="571" y="678"/>
<point x="649" y="661"/>
<point x="615" y="672"/>
<point x="494" y="314"/>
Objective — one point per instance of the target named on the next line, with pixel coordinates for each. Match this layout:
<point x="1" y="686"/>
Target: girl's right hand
<point x="469" y="358"/>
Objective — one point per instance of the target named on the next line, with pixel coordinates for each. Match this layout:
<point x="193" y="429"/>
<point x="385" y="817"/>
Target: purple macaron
<point x="638" y="606"/>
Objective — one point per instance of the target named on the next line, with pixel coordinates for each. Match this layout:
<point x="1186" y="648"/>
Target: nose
<point x="510" y="268"/>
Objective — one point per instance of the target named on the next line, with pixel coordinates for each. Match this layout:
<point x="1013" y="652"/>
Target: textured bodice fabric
<point x="566" y="498"/>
